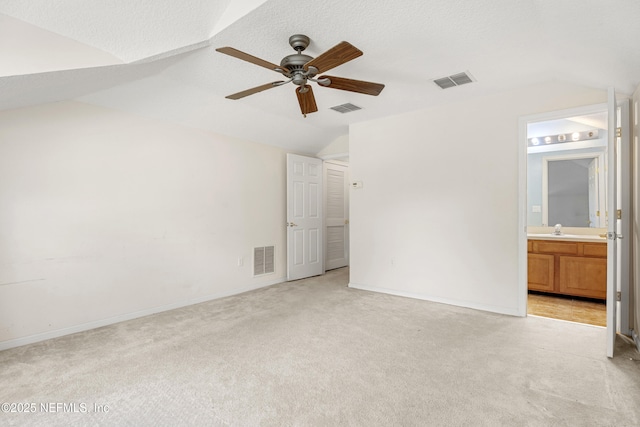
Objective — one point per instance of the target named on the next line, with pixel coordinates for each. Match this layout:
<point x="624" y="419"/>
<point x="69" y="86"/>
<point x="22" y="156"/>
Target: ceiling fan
<point x="300" y="69"/>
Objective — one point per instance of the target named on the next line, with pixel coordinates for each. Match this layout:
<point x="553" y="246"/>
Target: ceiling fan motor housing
<point x="295" y="61"/>
<point x="295" y="64"/>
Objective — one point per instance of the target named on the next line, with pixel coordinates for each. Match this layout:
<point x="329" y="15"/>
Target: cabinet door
<point x="540" y="272"/>
<point x="581" y="276"/>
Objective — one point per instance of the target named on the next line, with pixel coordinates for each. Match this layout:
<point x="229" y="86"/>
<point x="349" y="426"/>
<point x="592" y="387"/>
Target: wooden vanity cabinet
<point x="541" y="272"/>
<point x="569" y="268"/>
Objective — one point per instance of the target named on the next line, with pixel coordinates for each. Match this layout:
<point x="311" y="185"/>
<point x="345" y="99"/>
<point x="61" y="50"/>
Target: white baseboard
<point x="17" y="342"/>
<point x="636" y="339"/>
<point x="449" y="301"/>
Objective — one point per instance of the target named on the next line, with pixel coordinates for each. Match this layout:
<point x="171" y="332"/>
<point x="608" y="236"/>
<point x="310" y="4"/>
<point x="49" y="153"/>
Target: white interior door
<point x="304" y="217"/>
<point x="612" y="235"/>
<point x="336" y="178"/>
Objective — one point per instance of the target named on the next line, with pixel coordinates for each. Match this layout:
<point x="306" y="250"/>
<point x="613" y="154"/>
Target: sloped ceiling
<point x="157" y="58"/>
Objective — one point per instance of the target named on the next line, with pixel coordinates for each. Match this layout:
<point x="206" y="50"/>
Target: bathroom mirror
<point x="566" y="173"/>
<point x="573" y="190"/>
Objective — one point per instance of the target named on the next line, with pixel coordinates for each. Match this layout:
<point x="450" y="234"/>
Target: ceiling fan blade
<point x="249" y="58"/>
<point x="307" y="101"/>
<point x="337" y="55"/>
<point x="351" y="85"/>
<point x="254" y="90"/>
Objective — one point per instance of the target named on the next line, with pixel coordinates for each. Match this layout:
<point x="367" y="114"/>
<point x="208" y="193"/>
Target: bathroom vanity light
<point x="560" y="138"/>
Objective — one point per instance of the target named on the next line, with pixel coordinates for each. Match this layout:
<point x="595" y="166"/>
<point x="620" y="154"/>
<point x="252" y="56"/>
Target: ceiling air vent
<point x="346" y="108"/>
<point x="454" y="80"/>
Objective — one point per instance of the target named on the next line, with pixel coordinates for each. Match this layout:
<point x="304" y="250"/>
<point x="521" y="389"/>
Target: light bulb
<point x="575" y="136"/>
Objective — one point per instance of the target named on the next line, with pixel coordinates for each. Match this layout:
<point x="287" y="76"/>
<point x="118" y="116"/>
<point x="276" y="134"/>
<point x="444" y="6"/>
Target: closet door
<point x="336" y="178"/>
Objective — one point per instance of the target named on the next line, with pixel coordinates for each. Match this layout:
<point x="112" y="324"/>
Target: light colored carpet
<point x="316" y="353"/>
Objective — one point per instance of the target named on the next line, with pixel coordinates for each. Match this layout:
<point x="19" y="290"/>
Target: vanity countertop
<point x="567" y="237"/>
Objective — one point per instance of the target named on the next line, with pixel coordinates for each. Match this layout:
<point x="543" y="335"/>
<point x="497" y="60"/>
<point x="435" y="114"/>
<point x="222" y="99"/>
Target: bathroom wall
<point x="106" y="216"/>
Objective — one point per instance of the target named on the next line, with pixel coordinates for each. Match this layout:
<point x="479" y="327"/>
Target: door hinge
<point x="619" y="213"/>
<point x="618" y="132"/>
<point x="618" y="296"/>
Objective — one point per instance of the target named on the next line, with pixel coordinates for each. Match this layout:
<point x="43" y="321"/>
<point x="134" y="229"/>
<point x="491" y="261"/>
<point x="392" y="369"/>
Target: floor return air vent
<point x="263" y="260"/>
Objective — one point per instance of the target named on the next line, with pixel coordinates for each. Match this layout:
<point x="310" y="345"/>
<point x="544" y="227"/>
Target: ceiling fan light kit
<point x="299" y="69"/>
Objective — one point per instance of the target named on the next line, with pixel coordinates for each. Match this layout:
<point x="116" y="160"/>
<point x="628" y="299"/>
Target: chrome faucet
<point x="557" y="230"/>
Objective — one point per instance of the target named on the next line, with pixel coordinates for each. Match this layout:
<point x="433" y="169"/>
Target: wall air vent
<point x="346" y="108"/>
<point x="454" y="80"/>
<point x="263" y="260"/>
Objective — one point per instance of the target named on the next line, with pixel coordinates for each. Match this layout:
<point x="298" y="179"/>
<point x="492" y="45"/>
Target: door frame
<point x="625" y="228"/>
<point x="623" y="105"/>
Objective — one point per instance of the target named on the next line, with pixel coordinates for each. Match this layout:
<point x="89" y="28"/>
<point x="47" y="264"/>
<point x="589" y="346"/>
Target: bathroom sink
<point x="566" y="236"/>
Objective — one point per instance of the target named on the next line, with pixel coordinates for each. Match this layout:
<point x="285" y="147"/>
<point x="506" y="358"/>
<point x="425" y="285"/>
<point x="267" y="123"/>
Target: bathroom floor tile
<point x="566" y="308"/>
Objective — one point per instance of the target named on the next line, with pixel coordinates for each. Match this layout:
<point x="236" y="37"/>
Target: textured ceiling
<point x="159" y="60"/>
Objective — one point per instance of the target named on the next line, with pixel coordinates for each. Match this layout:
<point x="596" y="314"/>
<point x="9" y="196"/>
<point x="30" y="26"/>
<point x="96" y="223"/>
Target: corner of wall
<point x="337" y="149"/>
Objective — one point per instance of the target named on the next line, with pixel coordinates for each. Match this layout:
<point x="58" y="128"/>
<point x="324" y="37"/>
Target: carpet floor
<point x="317" y="353"/>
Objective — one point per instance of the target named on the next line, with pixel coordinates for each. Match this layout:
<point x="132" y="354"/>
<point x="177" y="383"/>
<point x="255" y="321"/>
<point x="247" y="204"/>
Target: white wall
<point x="437" y="217"/>
<point x="338" y="149"/>
<point x="106" y="216"/>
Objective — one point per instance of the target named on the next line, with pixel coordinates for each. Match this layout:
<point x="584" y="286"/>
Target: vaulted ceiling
<point x="157" y="58"/>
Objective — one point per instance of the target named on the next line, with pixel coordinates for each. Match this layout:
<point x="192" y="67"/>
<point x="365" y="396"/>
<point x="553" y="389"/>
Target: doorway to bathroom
<point x="568" y="222"/>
